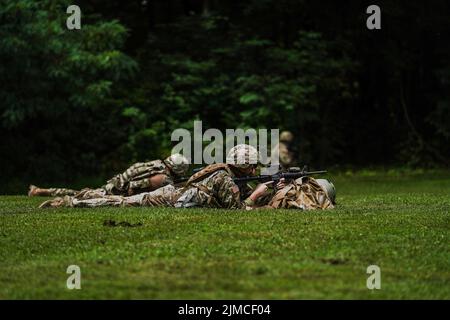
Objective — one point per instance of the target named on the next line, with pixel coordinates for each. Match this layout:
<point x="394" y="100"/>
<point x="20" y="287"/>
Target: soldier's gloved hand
<point x="281" y="184"/>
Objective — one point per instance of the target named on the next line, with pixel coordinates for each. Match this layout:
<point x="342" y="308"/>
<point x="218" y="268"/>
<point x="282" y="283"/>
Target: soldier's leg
<point x="68" y="201"/>
<point x="161" y="197"/>
<point x="105" y="201"/>
<point x="50" y="192"/>
<point x="88" y="193"/>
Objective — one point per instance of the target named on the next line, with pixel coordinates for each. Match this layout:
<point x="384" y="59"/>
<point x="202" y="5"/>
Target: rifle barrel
<point x="277" y="176"/>
<point x="268" y="177"/>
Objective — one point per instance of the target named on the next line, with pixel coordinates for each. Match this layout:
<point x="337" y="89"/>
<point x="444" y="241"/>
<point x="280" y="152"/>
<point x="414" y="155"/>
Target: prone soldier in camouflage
<point x="305" y="193"/>
<point x="140" y="177"/>
<point x="213" y="187"/>
<point x="162" y="197"/>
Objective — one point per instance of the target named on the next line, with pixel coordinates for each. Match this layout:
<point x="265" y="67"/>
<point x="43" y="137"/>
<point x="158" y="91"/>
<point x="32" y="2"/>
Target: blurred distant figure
<point x="286" y="156"/>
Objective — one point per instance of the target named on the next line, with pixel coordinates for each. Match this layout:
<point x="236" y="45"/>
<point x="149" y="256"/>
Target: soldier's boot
<point x="36" y="191"/>
<point x="32" y="190"/>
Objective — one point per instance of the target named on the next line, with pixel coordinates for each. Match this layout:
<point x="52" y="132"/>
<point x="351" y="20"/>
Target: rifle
<point x="291" y="174"/>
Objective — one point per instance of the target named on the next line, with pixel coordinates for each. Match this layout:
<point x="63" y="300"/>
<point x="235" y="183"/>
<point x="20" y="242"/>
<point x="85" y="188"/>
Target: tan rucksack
<point x="304" y="193"/>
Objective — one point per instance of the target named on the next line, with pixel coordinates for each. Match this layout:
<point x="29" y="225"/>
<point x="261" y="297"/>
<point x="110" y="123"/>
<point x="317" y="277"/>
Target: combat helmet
<point x="329" y="189"/>
<point x="243" y="156"/>
<point x="178" y="164"/>
<point x="286" y="136"/>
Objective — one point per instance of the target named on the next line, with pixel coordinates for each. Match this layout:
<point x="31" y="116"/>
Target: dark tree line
<point x="86" y="103"/>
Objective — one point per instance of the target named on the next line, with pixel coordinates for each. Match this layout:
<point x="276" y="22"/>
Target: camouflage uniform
<point x="53" y="192"/>
<point x="135" y="179"/>
<point x="162" y="197"/>
<point x="216" y="190"/>
<point x="213" y="187"/>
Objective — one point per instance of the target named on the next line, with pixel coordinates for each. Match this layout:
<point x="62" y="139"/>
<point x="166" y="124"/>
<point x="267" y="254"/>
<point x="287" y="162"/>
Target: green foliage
<point x="53" y="65"/>
<point x="232" y="79"/>
<point x="87" y="103"/>
<point x="52" y="81"/>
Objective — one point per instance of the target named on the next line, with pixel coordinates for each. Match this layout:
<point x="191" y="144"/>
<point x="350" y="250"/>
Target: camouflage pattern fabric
<point x="216" y="190"/>
<point x="164" y="196"/>
<point x="243" y="156"/>
<point x="135" y="178"/>
<point x="178" y="164"/>
<point x="132" y="181"/>
<point x="85" y="193"/>
<point x="88" y="193"/>
<point x="304" y="193"/>
<point x="60" y="192"/>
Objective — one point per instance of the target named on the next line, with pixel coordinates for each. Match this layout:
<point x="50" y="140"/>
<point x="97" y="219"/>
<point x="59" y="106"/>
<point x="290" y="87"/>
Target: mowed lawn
<point x="400" y="223"/>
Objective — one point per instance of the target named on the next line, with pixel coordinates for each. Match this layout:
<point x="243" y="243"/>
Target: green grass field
<point x="399" y="222"/>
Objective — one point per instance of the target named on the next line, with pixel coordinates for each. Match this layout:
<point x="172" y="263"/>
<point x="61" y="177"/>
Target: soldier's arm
<point x="150" y="184"/>
<point x="160" y="180"/>
<point x="227" y="192"/>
